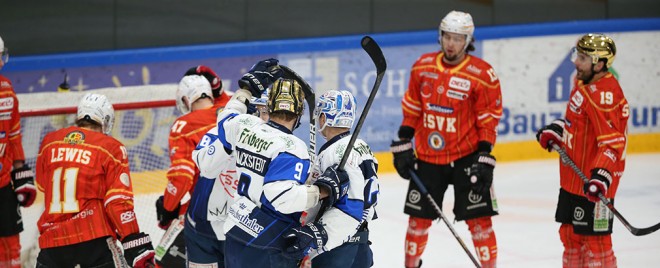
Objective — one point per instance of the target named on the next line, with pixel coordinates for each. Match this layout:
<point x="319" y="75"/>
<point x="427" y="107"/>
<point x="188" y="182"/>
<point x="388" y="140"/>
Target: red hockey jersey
<point x="11" y="146"/>
<point x="85" y="177"/>
<point x="185" y="134"/>
<point x="451" y="108"/>
<point x="595" y="132"/>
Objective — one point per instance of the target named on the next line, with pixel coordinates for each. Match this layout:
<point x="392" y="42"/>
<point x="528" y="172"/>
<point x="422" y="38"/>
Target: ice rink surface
<point x="527" y="235"/>
<point x="525" y="229"/>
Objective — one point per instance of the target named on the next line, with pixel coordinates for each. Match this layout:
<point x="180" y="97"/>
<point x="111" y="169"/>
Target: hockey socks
<point x="416" y="238"/>
<point x="586" y="250"/>
<point x="484" y="240"/>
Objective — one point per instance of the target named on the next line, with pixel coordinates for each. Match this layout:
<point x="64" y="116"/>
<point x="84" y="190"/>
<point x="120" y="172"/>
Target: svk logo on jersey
<point x="75" y="137"/>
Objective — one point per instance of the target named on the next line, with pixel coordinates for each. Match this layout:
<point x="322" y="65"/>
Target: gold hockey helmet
<point x="286" y="95"/>
<point x="597" y="46"/>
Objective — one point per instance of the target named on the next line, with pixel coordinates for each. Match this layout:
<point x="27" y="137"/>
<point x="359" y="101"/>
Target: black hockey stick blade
<point x="371" y="47"/>
<point x="310" y="98"/>
<point x="376" y="54"/>
<point x="635" y="231"/>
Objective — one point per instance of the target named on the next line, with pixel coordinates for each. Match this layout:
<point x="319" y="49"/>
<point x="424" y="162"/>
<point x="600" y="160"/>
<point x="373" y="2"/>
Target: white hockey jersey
<point x="343" y="220"/>
<point x="272" y="167"/>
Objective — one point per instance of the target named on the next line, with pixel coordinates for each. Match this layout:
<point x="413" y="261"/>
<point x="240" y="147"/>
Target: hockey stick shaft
<point x="635" y="231"/>
<point x="371" y="47"/>
<point x="376" y="54"/>
<point x="426" y="193"/>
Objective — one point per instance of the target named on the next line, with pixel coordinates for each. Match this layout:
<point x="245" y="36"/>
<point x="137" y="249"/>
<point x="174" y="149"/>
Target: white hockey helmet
<point x="338" y="107"/>
<point x="97" y="108"/>
<point x="457" y="22"/>
<point x="191" y="88"/>
<point x="4" y="52"/>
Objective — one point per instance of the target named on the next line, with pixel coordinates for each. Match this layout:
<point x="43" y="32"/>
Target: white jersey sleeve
<point x="343" y="220"/>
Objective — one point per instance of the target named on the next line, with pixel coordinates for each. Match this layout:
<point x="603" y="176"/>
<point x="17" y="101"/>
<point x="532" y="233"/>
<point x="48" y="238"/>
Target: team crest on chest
<point x="75" y="137"/>
<point x="436" y="142"/>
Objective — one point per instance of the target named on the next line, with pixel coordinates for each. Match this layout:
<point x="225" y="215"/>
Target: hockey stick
<point x="635" y="231"/>
<point x="425" y="192"/>
<point x="371" y="47"/>
<point x="310" y="98"/>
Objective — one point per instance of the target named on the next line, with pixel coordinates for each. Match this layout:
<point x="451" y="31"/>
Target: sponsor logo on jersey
<point x="610" y="155"/>
<point x="592" y="88"/>
<point x="251" y="139"/>
<point x="127" y="217"/>
<point x="456" y="95"/>
<point x="75" y="137"/>
<point x="577" y="98"/>
<point x="83" y="214"/>
<point x="211" y="150"/>
<point x="6" y="103"/>
<point x="436" y="141"/>
<point x="5" y="116"/>
<point x="431" y="75"/>
<point x="244" y="221"/>
<point x="459" y="83"/>
<point x="439" y="109"/>
<point x="3" y="134"/>
<point x="251" y="161"/>
<point x="171" y="188"/>
<point x="4" y="84"/>
<point x="473" y="69"/>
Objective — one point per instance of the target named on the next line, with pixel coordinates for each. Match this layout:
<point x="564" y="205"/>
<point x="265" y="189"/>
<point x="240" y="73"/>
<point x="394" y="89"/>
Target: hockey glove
<point x="165" y="216"/>
<point x="552" y="132"/>
<point x="598" y="184"/>
<point x="260" y="77"/>
<point x="481" y="173"/>
<point x="138" y="250"/>
<point x="335" y="181"/>
<point x="404" y="157"/>
<point x="23" y="180"/>
<point x="209" y="74"/>
<point x="300" y="240"/>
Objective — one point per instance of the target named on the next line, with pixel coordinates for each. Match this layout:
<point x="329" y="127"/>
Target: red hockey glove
<point x="209" y="74"/>
<point x="23" y="180"/>
<point x="138" y="251"/>
<point x="552" y="132"/>
<point x="598" y="184"/>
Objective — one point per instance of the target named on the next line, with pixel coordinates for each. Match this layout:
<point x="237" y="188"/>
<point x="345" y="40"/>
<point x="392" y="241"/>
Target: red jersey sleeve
<point x="411" y="103"/>
<point x="118" y="201"/>
<point x="608" y="112"/>
<point x="488" y="104"/>
<point x="182" y="169"/>
<point x="15" y="136"/>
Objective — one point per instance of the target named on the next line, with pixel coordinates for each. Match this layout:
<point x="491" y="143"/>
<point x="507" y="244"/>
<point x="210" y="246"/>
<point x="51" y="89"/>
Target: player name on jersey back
<point x="70" y="155"/>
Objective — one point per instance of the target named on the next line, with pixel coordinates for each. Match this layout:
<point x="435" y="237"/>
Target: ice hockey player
<point x="207" y="213"/>
<point x="593" y="134"/>
<point x="16" y="177"/>
<point x="272" y="166"/>
<point x="451" y="109"/>
<point x="85" y="177"/>
<point x="194" y="99"/>
<point x="348" y="239"/>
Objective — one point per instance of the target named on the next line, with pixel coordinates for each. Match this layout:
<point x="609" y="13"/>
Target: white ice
<point x="527" y="235"/>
